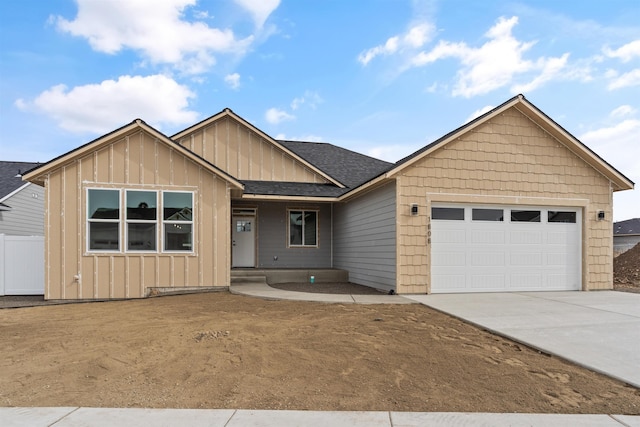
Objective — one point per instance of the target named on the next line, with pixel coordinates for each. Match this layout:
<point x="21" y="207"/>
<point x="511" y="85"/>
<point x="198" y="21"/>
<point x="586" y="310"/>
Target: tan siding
<point x="244" y="154"/>
<point x="54" y="261"/>
<point x="136" y="161"/>
<point x="507" y="156"/>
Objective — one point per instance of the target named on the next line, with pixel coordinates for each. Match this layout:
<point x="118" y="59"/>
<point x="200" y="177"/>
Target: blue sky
<point x="382" y="77"/>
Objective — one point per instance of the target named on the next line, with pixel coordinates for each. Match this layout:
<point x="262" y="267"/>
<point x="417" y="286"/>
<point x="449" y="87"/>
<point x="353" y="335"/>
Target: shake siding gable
<point x="509" y="160"/>
<point x="137" y="160"/>
<point x="245" y="154"/>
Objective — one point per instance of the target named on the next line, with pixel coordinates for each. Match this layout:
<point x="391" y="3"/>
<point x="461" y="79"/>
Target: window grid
<point x="177" y="225"/>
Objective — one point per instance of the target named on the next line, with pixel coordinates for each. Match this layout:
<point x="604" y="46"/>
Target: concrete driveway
<point x="599" y="330"/>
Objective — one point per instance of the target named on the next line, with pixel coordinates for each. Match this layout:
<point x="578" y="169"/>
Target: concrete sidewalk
<point x="599" y="330"/>
<point x="262" y="290"/>
<point x="71" y="416"/>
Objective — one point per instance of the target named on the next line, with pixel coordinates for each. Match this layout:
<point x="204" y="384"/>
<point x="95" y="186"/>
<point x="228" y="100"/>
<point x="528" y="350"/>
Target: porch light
<point x="414" y="209"/>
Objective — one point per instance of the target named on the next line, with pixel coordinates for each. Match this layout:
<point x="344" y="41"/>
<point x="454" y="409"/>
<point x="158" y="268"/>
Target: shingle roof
<point x="630" y="226"/>
<point x="10" y="176"/>
<point x="277" y="188"/>
<point x="350" y="168"/>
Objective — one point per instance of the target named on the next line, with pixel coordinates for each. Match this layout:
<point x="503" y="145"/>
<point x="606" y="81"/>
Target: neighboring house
<point x="21" y="203"/>
<point x="508" y="202"/>
<point x="626" y="234"/>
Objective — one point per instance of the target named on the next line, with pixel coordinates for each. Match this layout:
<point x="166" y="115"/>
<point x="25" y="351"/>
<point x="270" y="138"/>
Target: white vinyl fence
<point x="21" y="265"/>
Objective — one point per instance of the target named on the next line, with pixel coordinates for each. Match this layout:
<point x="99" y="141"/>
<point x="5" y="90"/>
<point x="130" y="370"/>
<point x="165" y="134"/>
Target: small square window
<point x="451" y="214"/>
<point x="487" y="214"/>
<point x="525" y="216"/>
<point x="562" y="216"/>
<point x="303" y="228"/>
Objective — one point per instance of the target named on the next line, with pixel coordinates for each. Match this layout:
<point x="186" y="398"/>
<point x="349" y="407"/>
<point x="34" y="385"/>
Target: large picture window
<point x="303" y="228"/>
<point x="103" y="212"/>
<point x="153" y="221"/>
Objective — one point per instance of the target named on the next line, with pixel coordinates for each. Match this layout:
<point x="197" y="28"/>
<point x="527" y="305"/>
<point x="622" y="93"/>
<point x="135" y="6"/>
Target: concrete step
<point x="248" y="279"/>
<point x="283" y="275"/>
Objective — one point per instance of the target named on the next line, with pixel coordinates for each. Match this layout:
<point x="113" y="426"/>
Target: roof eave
<point x="38" y="175"/>
<point x="620" y="181"/>
<point x="274" y="197"/>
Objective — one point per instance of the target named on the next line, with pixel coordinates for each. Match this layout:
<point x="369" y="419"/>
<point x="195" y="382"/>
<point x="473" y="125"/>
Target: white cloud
<point x="310" y="98"/>
<point x="156" y="29"/>
<point x="233" y="80"/>
<point x="275" y="116"/>
<point x="479" y="112"/>
<point x="622" y="111"/>
<point x="617" y="144"/>
<point x="625" y="53"/>
<point x="259" y="9"/>
<point x="497" y="63"/>
<point x="393" y="152"/>
<point x="632" y="78"/>
<point x="416" y="37"/>
<point x="551" y="69"/>
<point x="99" y="108"/>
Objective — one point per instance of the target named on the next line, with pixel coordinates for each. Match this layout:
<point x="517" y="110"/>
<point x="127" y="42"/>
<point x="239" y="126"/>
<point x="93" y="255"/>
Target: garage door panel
<point x="525" y="259"/>
<point x="488" y="237"/>
<point x="452" y="282"/>
<point x="528" y="237"/>
<point x="520" y="252"/>
<point x="527" y="280"/>
<point x="559" y="281"/>
<point x="488" y="281"/>
<point x="449" y="259"/>
<point x="488" y="259"/>
<point x="449" y="236"/>
<point x="557" y="259"/>
<point x="561" y="237"/>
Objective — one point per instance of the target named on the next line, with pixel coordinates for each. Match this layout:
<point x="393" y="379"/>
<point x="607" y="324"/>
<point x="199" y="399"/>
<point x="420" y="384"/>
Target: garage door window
<point x="562" y="216"/>
<point x="451" y="214"/>
<point x="525" y="216"/>
<point x="487" y="215"/>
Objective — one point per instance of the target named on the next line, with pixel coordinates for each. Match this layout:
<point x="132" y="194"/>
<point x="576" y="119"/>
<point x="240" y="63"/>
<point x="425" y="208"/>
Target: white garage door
<point x="504" y="248"/>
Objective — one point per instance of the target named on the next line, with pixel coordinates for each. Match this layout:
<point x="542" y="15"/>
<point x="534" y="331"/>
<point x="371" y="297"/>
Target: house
<point x="21" y="203"/>
<point x="508" y="202"/>
<point x="626" y="234"/>
<point x="21" y="231"/>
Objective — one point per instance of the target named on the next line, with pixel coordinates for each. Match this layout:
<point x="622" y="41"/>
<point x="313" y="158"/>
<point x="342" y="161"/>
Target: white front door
<point x="243" y="241"/>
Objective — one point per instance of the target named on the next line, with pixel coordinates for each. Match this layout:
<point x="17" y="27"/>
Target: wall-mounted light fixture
<point x="414" y="209"/>
<point x="600" y="215"/>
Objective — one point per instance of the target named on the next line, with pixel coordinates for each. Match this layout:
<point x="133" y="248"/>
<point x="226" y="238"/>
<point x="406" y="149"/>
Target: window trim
<point x="128" y="221"/>
<point x="302" y="211"/>
<point x="89" y="221"/>
<point x="165" y="222"/>
<point x="123" y="222"/>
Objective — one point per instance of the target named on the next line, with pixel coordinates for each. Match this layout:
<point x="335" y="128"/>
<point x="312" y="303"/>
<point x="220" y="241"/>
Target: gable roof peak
<point x="540" y="119"/>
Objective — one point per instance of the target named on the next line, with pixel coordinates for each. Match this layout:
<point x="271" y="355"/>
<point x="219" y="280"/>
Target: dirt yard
<point x="219" y="350"/>
<point x="626" y="271"/>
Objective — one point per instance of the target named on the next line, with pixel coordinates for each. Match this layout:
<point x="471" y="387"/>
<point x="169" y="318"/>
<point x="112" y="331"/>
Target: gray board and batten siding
<point x="272" y="235"/>
<point x="365" y="238"/>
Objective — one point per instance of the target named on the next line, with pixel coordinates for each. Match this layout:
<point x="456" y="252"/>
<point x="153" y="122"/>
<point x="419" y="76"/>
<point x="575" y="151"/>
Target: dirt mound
<point x="626" y="267"/>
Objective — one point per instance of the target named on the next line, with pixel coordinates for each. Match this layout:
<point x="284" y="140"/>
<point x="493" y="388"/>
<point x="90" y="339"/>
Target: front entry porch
<point x="288" y="275"/>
